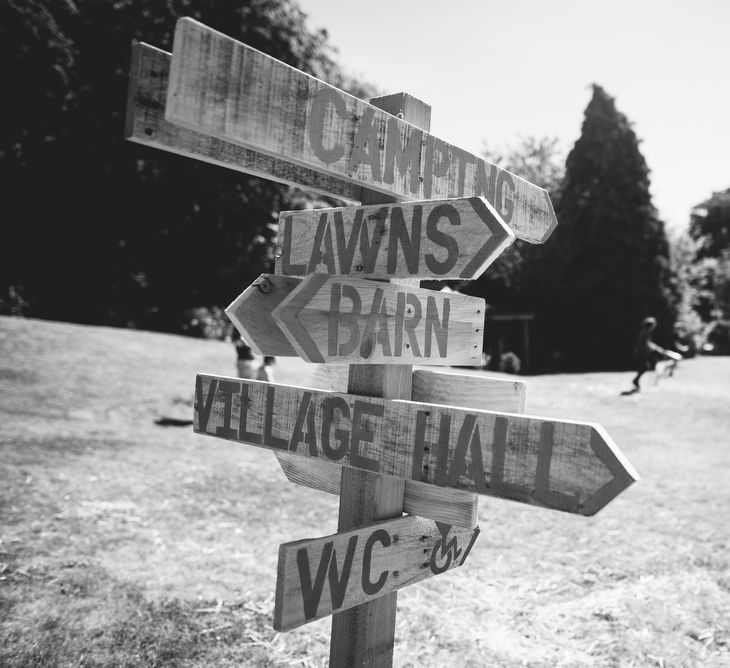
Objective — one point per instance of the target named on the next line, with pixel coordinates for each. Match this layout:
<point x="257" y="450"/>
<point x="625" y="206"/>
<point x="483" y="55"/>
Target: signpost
<point x="456" y="238"/>
<point x="283" y="112"/>
<point x="523" y="458"/>
<point x="385" y="438"/>
<point x="146" y="124"/>
<point x="318" y="577"/>
<point x="327" y="319"/>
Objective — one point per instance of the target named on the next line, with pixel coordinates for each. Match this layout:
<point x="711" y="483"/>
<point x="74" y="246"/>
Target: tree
<point x="710" y="225"/>
<point x="100" y="230"/>
<point x="609" y="257"/>
<point x="510" y="282"/>
<point x="514" y="282"/>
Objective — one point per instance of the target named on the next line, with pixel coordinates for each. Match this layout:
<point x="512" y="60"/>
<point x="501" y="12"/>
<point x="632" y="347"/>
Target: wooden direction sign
<point x="329" y="319"/>
<point x="442" y="504"/>
<point x="457" y="238"/>
<point x="145" y="124"/>
<point x="569" y="466"/>
<point x="221" y="87"/>
<point x="318" y="577"/>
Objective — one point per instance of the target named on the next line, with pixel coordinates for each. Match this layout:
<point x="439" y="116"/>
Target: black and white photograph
<point x="364" y="334"/>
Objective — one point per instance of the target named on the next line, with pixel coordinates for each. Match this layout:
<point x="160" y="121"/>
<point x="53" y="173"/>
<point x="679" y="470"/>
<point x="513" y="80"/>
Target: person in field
<point x="266" y="370"/>
<point x="647" y="352"/>
<point x="244" y="357"/>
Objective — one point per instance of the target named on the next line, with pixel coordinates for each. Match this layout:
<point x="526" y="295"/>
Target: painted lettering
<point x="312" y="591"/>
<point x="421" y="447"/>
<point x="305" y="412"/>
<point x="316" y="123"/>
<point x="483" y="185"/>
<point x="204" y="404"/>
<point x="348" y="319"/>
<point x="363" y="431"/>
<point x="227" y="388"/>
<point x="369" y="246"/>
<point x="437" y="328"/>
<point x="365" y="148"/>
<point x="446" y="241"/>
<point x="287" y="268"/>
<point x="464" y="158"/>
<point x="434" y="167"/>
<point x="368" y="586"/>
<point x="408" y="159"/>
<point x="338" y="584"/>
<point x="505" y="193"/>
<point x="410" y="324"/>
<point x="346" y="249"/>
<point x="329" y="406"/>
<point x="409" y="244"/>
<point x="248" y="436"/>
<point x="269" y="438"/>
<point x="318" y="256"/>
<point x="468" y="440"/>
<point x="543" y="493"/>
<point x="376" y="327"/>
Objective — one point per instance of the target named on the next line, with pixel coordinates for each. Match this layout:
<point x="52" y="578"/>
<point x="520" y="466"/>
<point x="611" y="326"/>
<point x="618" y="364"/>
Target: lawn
<point x="130" y="541"/>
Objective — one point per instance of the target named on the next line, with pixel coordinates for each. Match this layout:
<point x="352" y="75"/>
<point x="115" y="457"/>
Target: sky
<point x="494" y="72"/>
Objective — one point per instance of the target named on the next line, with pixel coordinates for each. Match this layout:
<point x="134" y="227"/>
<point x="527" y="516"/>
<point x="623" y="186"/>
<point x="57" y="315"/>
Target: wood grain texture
<point x="322" y="318"/>
<point x="321" y="576"/>
<point x="342" y="319"/>
<point x="569" y="466"/>
<point x="456" y="238"/>
<point x="437" y="503"/>
<point x="145" y="124"/>
<point x="221" y="87"/>
<point x="251" y="311"/>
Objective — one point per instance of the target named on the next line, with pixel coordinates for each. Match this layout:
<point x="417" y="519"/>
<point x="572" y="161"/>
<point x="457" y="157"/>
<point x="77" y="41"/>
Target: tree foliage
<point x="510" y="281"/>
<point x="710" y="225"/>
<point x="609" y="256"/>
<point x="100" y="230"/>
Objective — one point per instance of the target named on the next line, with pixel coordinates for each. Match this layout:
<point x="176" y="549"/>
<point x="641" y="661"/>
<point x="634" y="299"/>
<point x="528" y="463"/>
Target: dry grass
<point x="125" y="543"/>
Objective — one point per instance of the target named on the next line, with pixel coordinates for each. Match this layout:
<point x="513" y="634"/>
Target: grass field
<point x="128" y="543"/>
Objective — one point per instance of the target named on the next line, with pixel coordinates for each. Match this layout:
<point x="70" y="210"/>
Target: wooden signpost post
<point x="385" y="438"/>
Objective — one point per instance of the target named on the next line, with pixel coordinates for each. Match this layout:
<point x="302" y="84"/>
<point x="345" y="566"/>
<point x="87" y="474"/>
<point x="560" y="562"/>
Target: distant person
<point x="266" y="371"/>
<point x="647" y="352"/>
<point x="244" y="357"/>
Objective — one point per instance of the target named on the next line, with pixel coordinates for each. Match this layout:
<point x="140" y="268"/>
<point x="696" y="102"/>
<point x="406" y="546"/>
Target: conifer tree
<point x="610" y="254"/>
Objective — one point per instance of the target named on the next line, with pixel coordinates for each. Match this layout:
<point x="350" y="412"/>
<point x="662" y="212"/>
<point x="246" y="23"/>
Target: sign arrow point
<point x="623" y="473"/>
<point x="287" y="316"/>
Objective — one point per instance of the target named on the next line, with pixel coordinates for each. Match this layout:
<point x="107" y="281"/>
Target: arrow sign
<point x="330" y="319"/>
<point x="325" y="319"/>
<point x="251" y="315"/>
<point x="221" y="87"/>
<point x="569" y="466"/>
<point x="457" y="238"/>
<point x="318" y="577"/>
<point x="145" y="124"/>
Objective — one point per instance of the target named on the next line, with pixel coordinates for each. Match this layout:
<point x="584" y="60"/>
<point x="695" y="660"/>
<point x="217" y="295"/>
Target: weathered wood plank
<point x="145" y="124"/>
<point x="331" y="319"/>
<point x="321" y="318"/>
<point x="456" y="238"/>
<point x="569" y="466"/>
<point x="321" y="576"/>
<point x="437" y="503"/>
<point x="222" y="87"/>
